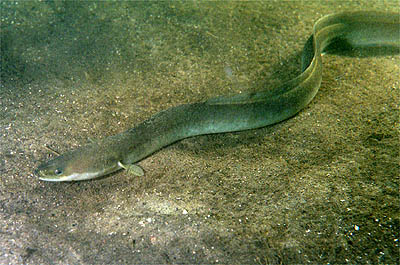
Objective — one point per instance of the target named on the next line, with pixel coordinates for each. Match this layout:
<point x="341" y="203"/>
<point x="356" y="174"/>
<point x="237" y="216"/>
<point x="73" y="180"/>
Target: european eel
<point x="227" y="113"/>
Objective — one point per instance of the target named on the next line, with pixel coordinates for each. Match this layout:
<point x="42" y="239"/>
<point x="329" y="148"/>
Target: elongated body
<point x="226" y="114"/>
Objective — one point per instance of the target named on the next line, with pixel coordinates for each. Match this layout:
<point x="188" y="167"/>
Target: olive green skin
<point x="227" y="114"/>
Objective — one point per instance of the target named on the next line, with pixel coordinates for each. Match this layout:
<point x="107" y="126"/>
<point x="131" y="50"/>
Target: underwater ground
<point x="322" y="187"/>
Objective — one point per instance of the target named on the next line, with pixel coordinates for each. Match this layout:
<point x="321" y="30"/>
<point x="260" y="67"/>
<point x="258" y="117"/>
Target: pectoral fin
<point x="132" y="169"/>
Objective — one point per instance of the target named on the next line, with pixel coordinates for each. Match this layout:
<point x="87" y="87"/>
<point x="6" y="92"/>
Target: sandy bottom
<point x="322" y="187"/>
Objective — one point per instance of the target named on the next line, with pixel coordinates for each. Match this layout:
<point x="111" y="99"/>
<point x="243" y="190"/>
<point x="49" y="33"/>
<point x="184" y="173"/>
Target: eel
<point x="359" y="29"/>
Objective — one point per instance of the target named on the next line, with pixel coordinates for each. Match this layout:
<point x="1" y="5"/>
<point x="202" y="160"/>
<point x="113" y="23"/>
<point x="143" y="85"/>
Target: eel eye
<point x="58" y="172"/>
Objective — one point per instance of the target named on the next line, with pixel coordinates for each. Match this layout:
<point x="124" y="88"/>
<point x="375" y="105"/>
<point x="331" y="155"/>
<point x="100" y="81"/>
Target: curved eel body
<point x="227" y="114"/>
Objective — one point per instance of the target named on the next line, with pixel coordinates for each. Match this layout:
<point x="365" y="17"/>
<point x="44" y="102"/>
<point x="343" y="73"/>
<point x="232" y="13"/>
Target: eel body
<point x="227" y="114"/>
